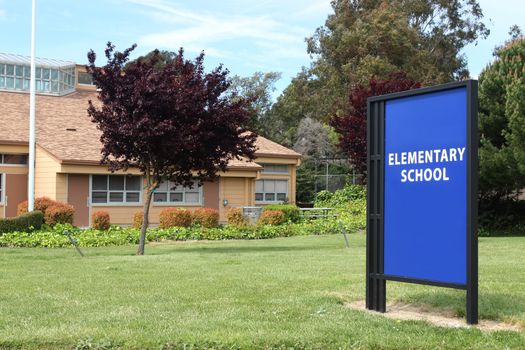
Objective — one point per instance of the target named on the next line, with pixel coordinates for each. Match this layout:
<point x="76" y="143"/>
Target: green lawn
<point x="280" y="293"/>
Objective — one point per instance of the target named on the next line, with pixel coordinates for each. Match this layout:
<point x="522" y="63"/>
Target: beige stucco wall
<point x="238" y="192"/>
<point x="13" y="169"/>
<point x="46" y="176"/>
<point x="14" y="149"/>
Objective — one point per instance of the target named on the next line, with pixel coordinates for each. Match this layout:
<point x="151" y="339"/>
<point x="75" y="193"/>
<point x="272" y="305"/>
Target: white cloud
<point x="197" y="31"/>
<point x="316" y="7"/>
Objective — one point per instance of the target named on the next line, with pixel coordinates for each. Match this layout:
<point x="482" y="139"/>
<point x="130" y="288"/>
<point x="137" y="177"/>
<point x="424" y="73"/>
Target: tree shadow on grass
<point x="217" y="249"/>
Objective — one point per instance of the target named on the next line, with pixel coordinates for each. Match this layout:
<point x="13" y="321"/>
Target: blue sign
<point x="425" y="186"/>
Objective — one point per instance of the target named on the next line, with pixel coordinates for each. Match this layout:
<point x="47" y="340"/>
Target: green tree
<point x="502" y="123"/>
<point x="366" y="39"/>
<point x="258" y="90"/>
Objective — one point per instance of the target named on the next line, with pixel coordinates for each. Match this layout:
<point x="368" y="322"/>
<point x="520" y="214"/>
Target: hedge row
<point x="24" y="223"/>
<point x="55" y="238"/>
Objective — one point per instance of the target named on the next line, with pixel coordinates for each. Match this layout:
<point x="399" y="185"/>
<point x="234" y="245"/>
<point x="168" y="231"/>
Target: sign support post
<point x="422" y="191"/>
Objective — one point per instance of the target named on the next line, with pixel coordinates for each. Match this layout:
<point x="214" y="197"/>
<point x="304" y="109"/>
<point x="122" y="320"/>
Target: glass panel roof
<point x="42" y="62"/>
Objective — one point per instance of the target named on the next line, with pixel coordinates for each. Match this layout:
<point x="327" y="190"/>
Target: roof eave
<point x="277" y="155"/>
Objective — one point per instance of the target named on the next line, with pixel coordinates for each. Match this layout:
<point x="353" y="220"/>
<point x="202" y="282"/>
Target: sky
<point x="245" y="36"/>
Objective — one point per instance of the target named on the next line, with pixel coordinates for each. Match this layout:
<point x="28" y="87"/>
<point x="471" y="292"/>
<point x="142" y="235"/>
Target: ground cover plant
<point x="285" y="293"/>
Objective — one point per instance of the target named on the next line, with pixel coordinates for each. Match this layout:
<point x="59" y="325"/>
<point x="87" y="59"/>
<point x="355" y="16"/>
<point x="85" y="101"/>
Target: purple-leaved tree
<point x="168" y="118"/>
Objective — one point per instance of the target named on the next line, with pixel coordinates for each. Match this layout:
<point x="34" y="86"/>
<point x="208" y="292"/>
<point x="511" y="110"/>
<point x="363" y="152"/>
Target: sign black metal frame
<point x="375" y="277"/>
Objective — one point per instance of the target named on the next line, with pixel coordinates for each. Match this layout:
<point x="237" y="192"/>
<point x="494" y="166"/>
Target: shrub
<point x="272" y="217"/>
<point x="291" y="212"/>
<point x="59" y="213"/>
<point x="138" y="218"/>
<point x="23" y="223"/>
<point x="235" y="217"/>
<point x="175" y="217"/>
<point x="41" y="204"/>
<point x="100" y="220"/>
<point x="340" y="197"/>
<point x="206" y="217"/>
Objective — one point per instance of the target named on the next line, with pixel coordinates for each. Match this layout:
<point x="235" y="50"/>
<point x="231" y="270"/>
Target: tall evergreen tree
<point x="366" y="39"/>
<point x="502" y="122"/>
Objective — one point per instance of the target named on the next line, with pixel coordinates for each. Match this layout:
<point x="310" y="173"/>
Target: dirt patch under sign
<point x="407" y="312"/>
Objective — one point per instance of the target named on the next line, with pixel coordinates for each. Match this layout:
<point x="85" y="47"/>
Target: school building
<point x="67" y="161"/>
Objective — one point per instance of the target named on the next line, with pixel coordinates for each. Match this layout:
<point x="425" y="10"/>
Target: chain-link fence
<point x="318" y="174"/>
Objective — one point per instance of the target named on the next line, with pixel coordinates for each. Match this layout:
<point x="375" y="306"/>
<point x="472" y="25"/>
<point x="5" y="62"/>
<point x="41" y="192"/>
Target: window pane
<point x="45" y="73"/>
<point x="281" y="186"/>
<point x="26" y="84"/>
<point x="100" y="182"/>
<point x="116" y="197"/>
<point x="54" y="74"/>
<point x="258" y="185"/>
<point x="281" y="196"/>
<point x="259" y="197"/>
<point x="269" y="196"/>
<point x="46" y="86"/>
<point x="19" y="71"/>
<point x="27" y="71"/>
<point x="38" y="73"/>
<point x="116" y="183"/>
<point x="269" y="185"/>
<point x="160" y="197"/>
<point x="275" y="168"/>
<point x="10" y="83"/>
<point x="192" y="197"/>
<point x="132" y="197"/>
<point x="18" y="83"/>
<point x="54" y="86"/>
<point x="99" y="197"/>
<point x="2" y="68"/>
<point x="85" y="78"/>
<point x="9" y="69"/>
<point x="174" y="188"/>
<point x="15" y="159"/>
<point x="2" y="82"/>
<point x="163" y="187"/>
<point x="176" y="197"/>
<point x="133" y="183"/>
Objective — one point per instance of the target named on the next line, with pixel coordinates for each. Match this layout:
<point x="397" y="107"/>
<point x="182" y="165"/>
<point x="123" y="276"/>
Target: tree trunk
<point x="145" y="223"/>
<point x="145" y="220"/>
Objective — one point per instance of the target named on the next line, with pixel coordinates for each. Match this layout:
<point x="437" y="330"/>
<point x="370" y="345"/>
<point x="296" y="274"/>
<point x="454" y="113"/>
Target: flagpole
<point x="32" y="118"/>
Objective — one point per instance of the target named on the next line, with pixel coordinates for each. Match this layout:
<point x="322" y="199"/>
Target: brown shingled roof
<point x="65" y="130"/>
<point x="269" y="148"/>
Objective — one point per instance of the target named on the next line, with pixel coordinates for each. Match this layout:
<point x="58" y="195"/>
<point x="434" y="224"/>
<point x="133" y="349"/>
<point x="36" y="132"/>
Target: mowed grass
<point x="280" y="293"/>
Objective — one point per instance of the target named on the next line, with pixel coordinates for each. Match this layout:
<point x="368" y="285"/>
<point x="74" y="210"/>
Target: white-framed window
<point x="271" y="191"/>
<point x="85" y="78"/>
<point x="13" y="159"/>
<point x="56" y="81"/>
<point x="2" y="188"/>
<point x="116" y="189"/>
<point x="275" y="168"/>
<point x="168" y="193"/>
